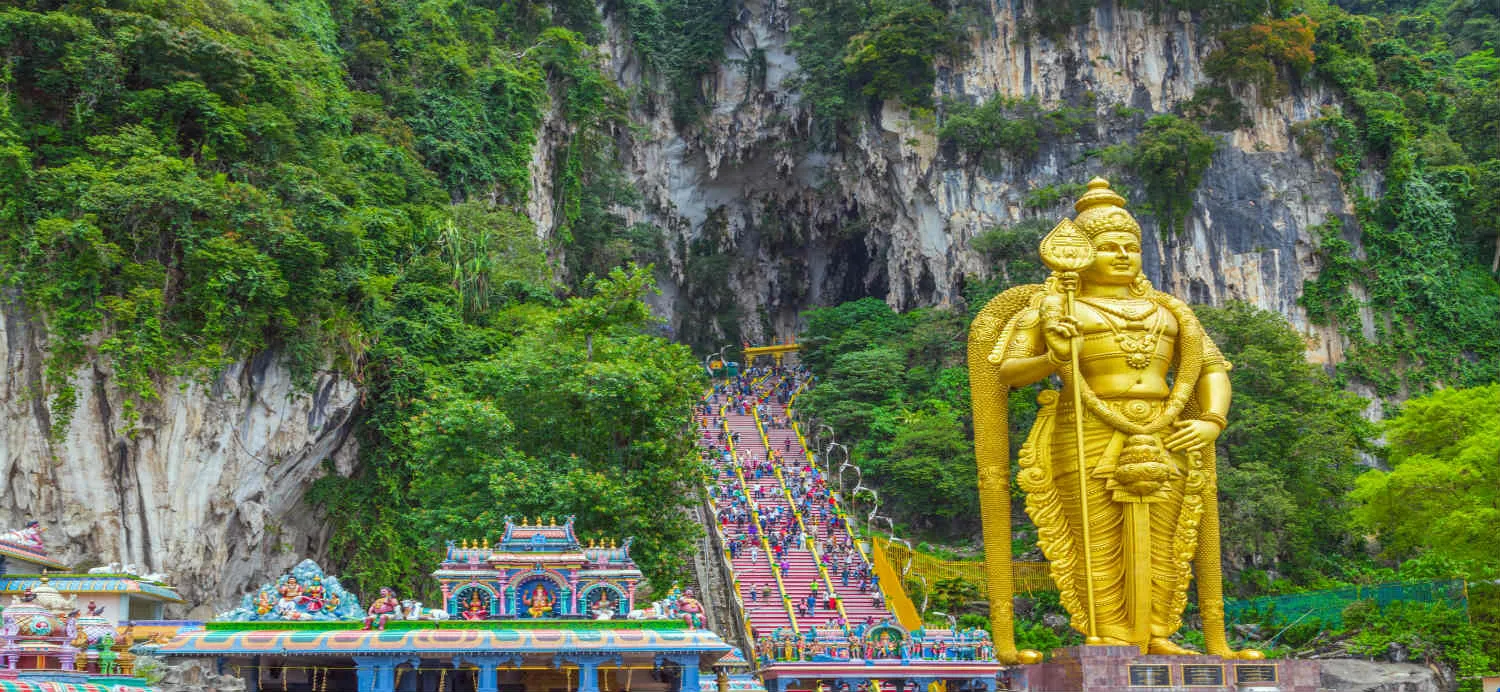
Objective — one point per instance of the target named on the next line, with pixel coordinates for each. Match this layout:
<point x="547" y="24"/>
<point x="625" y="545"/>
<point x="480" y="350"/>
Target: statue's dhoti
<point x="1144" y="503"/>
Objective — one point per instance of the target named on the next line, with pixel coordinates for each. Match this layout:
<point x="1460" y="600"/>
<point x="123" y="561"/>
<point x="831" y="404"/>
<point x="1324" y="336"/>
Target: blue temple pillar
<point x="488" y="676"/>
<point x="588" y="676"/>
<point x="689" y="663"/>
<point x="378" y="673"/>
<point x="588" y="667"/>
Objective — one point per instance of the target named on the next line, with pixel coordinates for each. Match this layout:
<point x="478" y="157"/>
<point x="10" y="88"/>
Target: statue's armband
<point x="1022" y="338"/>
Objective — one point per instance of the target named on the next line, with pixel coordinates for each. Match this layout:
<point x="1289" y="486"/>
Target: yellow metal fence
<point x="1030" y="576"/>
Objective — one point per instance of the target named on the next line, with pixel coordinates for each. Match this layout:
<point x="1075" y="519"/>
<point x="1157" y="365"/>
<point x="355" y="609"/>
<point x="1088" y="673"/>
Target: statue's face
<point x="1117" y="259"/>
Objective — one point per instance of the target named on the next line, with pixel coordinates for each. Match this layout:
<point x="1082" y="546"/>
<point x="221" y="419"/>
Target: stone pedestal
<point x="1124" y="669"/>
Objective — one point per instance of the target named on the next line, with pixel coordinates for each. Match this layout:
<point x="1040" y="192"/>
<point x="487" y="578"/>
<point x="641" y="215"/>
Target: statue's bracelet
<point x="1214" y="418"/>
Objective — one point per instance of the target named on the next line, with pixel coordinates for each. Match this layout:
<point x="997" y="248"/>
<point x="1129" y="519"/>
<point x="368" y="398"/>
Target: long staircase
<point x="767" y="487"/>
<point x="856" y="606"/>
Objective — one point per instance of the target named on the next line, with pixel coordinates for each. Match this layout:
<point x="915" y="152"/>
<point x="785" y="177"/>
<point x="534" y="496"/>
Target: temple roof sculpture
<point x="23" y="547"/>
<point x="305" y="593"/>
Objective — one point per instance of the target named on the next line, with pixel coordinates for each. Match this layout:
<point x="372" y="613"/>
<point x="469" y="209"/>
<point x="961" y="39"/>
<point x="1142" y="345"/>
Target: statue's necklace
<point x="1136" y="338"/>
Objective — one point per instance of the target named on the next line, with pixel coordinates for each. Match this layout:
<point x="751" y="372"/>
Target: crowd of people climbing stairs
<point x="794" y="558"/>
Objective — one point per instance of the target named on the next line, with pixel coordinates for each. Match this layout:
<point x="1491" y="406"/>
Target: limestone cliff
<point x="208" y="489"/>
<point x="893" y="214"/>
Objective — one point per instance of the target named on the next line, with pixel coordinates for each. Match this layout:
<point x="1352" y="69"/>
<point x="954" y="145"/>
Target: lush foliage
<point x="570" y="409"/>
<point x="1442" y="494"/>
<point x="1256" y="54"/>
<point x="1169" y="157"/>
<point x="1422" y="105"/>
<point x="338" y="185"/>
<point x="851" y="53"/>
<point x="684" y="41"/>
<point x="1289" y="456"/>
<point x="1003" y="128"/>
<point x="1427" y="632"/>
<point x="1055" y="19"/>
<point x="894" y="389"/>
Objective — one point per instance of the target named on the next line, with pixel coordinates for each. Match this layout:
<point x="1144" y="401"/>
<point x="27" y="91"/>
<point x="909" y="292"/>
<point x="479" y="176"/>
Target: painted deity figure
<point x="1153" y="391"/>
<point x="29" y="536"/>
<point x="538" y="602"/>
<point x="605" y="607"/>
<point x="382" y="609"/>
<point x="263" y="603"/>
<point x="312" y="599"/>
<point x="691" y="609"/>
<point x="475" y="608"/>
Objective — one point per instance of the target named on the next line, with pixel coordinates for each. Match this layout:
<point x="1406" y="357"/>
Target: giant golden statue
<point x="1139" y="461"/>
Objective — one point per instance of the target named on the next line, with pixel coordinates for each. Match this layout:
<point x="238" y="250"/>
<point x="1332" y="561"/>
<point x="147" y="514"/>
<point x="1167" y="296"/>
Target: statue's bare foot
<point x="1107" y="641"/>
<point x="1162" y="645"/>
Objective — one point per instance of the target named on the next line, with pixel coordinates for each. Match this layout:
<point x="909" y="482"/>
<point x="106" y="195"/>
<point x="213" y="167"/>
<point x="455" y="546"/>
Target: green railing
<point x="1328" y="605"/>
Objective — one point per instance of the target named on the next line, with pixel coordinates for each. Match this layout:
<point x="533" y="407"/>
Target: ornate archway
<point x="540" y="595"/>
<point x="593" y="595"/>
<point x="474" y="601"/>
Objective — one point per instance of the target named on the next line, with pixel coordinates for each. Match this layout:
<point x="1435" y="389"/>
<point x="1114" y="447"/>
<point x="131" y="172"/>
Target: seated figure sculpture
<point x="382" y="609"/>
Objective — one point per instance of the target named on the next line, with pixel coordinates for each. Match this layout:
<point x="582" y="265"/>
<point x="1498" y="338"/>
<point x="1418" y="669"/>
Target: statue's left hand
<point x="1192" y="434"/>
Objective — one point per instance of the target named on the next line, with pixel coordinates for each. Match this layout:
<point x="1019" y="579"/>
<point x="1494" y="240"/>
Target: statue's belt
<point x="1135" y="409"/>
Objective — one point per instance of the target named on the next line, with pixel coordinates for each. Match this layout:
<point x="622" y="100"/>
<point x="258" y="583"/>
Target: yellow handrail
<point x="895" y="591"/>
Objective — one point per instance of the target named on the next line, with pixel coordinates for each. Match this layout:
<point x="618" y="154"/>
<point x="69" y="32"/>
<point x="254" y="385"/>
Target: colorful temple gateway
<point x="538" y="571"/>
<point x="538" y="611"/>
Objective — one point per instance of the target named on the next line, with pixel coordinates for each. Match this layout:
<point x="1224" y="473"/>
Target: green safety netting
<point x="1328" y="605"/>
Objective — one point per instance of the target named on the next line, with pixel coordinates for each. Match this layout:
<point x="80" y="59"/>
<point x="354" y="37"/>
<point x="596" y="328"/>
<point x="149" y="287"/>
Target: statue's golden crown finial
<point x="1101" y="210"/>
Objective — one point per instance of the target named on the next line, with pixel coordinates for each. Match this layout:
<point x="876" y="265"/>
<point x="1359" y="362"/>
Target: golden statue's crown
<point x="1101" y="210"/>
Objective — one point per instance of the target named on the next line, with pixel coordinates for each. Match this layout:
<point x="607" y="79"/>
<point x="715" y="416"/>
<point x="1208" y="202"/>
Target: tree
<point x="575" y="409"/>
<point x="1441" y="495"/>
<point x="1170" y="156"/>
<point x="1291" y="451"/>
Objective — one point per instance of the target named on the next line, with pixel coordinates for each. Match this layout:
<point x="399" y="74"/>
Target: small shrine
<point x="538" y="570"/>
<point x="45" y="640"/>
<point x="114" y="592"/>
<point x="539" y="611"/>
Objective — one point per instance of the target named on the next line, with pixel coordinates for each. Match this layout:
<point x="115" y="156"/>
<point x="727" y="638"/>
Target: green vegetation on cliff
<point x="1421" y="88"/>
<point x="187" y="184"/>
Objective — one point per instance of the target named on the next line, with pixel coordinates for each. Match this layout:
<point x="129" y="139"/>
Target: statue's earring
<point x="1141" y="286"/>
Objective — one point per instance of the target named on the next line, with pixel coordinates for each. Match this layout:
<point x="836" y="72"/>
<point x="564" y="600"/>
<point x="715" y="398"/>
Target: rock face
<point x="210" y="487"/>
<point x="892" y="213"/>
<point x="192" y="675"/>
<point x="762" y="224"/>
<point x="1352" y="675"/>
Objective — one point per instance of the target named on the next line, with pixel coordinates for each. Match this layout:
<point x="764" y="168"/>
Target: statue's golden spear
<point x="1067" y="250"/>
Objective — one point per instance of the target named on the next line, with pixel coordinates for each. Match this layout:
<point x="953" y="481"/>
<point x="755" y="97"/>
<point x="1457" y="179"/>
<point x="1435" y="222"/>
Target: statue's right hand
<point x="1058" y="329"/>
